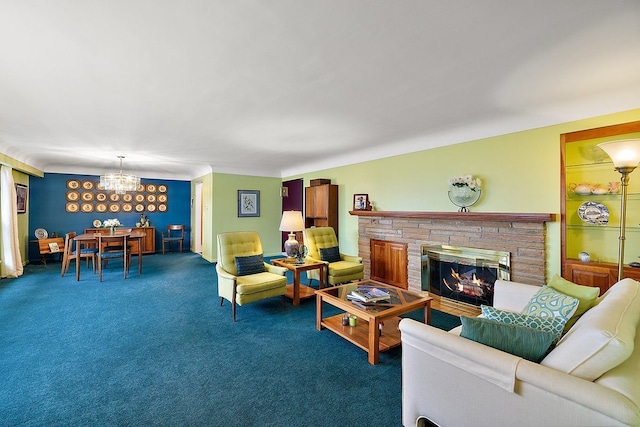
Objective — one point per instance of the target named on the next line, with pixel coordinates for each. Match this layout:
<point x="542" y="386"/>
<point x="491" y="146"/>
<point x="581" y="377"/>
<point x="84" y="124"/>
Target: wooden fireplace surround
<point x="523" y="235"/>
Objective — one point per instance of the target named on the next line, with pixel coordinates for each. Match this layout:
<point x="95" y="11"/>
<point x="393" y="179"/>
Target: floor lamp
<point x="625" y="155"/>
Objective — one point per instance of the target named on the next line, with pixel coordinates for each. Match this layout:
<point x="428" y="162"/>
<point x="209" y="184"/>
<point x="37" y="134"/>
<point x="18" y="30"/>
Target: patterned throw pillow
<point x="250" y="264"/>
<point x="528" y="343"/>
<point x="331" y="254"/>
<point x="548" y="302"/>
<point x="554" y="325"/>
<point x="587" y="296"/>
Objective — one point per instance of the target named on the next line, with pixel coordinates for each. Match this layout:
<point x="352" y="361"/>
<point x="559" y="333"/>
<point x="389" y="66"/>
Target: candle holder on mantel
<point x="463" y="196"/>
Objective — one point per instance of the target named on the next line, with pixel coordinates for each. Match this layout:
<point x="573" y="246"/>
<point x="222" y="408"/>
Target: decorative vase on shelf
<point x="463" y="196"/>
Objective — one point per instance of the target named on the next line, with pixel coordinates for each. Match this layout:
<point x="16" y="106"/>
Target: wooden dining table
<point x="91" y="238"/>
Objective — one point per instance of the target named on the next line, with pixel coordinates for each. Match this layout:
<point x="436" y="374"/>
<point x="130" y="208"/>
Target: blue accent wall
<point x="47" y="202"/>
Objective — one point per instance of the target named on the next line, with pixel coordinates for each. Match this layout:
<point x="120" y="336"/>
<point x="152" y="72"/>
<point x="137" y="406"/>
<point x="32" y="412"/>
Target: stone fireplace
<point x="522" y="235"/>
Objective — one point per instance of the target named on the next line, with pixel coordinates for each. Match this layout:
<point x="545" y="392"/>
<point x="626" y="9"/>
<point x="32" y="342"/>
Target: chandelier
<point x="119" y="182"/>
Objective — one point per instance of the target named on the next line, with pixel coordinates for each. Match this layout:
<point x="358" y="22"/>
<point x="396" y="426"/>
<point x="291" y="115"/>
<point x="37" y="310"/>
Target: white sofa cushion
<point x="603" y="337"/>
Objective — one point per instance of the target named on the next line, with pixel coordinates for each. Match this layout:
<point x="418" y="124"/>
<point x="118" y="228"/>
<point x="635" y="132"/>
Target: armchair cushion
<point x="528" y="343"/>
<point x="251" y="264"/>
<point x="331" y="254"/>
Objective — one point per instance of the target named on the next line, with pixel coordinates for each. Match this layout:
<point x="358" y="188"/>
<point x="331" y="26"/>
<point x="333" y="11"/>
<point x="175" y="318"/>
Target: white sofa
<point x="453" y="381"/>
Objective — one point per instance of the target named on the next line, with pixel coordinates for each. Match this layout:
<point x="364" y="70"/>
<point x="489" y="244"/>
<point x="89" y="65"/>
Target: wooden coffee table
<point x="366" y="334"/>
<point x="298" y="291"/>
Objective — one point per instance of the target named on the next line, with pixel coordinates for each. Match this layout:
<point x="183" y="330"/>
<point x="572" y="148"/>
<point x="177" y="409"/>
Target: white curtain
<point x="11" y="265"/>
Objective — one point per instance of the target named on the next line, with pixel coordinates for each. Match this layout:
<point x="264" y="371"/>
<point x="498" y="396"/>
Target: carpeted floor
<point x="157" y="349"/>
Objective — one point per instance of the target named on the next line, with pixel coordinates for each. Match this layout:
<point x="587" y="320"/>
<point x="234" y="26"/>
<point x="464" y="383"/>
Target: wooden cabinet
<point x="148" y="241"/>
<point x="389" y="262"/>
<point x="321" y="206"/>
<point x="585" y="166"/>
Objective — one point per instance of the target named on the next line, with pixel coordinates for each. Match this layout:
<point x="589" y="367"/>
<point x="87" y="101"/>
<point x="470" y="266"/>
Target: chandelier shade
<point x="118" y="181"/>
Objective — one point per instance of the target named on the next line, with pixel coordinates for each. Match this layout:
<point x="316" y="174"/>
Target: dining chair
<point x="175" y="234"/>
<point x="104" y="255"/>
<point x="70" y="254"/>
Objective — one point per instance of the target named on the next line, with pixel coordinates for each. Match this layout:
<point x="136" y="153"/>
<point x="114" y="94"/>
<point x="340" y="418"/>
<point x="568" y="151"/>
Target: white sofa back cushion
<point x="603" y="337"/>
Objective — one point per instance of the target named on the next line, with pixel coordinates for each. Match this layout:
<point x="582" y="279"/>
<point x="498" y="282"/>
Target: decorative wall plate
<point x="97" y="223"/>
<point x="87" y="197"/>
<point x="139" y="208"/>
<point x="162" y="188"/>
<point x="127" y="207"/>
<point x="101" y="197"/>
<point x="162" y="198"/>
<point x="87" y="185"/>
<point x="101" y="207"/>
<point x="73" y="184"/>
<point x="151" y="188"/>
<point x="41" y="233"/>
<point x="73" y="196"/>
<point x="127" y="197"/>
<point x="140" y="188"/>
<point x="162" y="207"/>
<point x="151" y="207"/>
<point x="114" y="208"/>
<point x="99" y="187"/>
<point x="72" y="207"/>
<point x="86" y="207"/>
<point x="139" y="198"/>
<point x="114" y="197"/>
<point x="151" y="198"/>
<point x="594" y="213"/>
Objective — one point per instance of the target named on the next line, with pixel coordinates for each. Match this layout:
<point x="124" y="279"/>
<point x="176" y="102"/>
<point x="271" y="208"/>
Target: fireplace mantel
<point x="465" y="216"/>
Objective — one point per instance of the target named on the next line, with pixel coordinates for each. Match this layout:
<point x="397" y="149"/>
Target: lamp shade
<point x="624" y="153"/>
<point x="291" y="221"/>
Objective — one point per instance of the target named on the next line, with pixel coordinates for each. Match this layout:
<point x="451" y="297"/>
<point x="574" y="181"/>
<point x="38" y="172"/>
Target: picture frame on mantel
<point x="21" y="197"/>
<point x="248" y="203"/>
<point x="361" y="202"/>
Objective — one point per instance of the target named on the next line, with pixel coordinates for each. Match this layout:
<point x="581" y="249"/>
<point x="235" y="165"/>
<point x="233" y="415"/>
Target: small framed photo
<point x="21" y="192"/>
<point x="361" y="202"/>
<point x="248" y="203"/>
<point x="53" y="247"/>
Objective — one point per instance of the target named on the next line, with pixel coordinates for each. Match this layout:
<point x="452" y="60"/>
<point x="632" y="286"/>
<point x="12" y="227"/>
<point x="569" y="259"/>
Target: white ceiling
<point x="281" y="87"/>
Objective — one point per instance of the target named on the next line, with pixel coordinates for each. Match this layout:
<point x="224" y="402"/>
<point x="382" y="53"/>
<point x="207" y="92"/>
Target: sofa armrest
<point x="512" y="296"/>
<point x="275" y="269"/>
<point x="351" y="258"/>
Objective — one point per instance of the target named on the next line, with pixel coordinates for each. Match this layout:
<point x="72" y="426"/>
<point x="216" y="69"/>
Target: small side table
<point x="298" y="291"/>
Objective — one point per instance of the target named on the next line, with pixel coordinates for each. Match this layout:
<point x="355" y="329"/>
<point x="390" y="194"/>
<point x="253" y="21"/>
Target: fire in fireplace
<point x="465" y="275"/>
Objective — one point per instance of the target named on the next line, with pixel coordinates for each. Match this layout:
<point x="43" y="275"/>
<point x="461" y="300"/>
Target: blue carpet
<point x="157" y="349"/>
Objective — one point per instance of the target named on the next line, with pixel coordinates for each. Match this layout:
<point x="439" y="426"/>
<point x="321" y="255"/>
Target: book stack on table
<point x="367" y="296"/>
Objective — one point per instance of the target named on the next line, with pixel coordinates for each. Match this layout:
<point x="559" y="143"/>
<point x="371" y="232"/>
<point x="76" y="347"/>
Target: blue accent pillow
<point x="528" y="343"/>
<point x="548" y="324"/>
<point x="250" y="264"/>
<point x="331" y="254"/>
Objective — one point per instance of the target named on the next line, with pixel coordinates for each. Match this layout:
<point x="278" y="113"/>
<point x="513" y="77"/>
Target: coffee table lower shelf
<point x="359" y="334"/>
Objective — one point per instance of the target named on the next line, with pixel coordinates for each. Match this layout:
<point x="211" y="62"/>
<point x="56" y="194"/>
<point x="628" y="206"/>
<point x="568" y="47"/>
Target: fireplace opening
<point x="465" y="275"/>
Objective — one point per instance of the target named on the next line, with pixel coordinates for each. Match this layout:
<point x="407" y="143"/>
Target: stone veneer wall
<point x="524" y="240"/>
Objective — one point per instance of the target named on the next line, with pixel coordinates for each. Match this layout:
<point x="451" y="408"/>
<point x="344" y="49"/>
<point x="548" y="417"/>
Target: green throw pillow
<point x="548" y="302"/>
<point x="587" y="296"/>
<point x="554" y="325"/>
<point x="528" y="343"/>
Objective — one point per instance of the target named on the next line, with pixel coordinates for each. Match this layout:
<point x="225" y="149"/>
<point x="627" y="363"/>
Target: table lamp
<point x="291" y="221"/>
<point x="625" y="155"/>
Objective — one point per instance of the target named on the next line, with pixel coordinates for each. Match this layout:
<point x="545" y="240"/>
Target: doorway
<point x="292" y="200"/>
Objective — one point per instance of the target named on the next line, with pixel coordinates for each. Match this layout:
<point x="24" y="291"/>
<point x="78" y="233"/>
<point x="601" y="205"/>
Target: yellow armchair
<point x="346" y="269"/>
<point x="243" y="277"/>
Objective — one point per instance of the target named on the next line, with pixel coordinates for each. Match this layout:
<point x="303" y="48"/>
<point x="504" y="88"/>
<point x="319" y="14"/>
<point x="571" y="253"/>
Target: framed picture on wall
<point x="248" y="203"/>
<point x="21" y="191"/>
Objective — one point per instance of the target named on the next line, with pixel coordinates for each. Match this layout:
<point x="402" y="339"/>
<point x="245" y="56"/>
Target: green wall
<point x="520" y="173"/>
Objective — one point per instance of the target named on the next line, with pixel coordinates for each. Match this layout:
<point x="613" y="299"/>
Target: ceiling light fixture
<point x="118" y="181"/>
